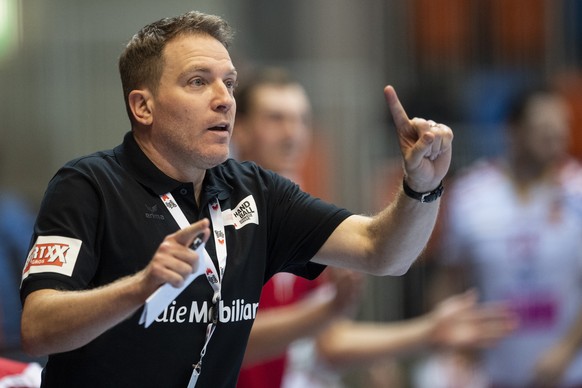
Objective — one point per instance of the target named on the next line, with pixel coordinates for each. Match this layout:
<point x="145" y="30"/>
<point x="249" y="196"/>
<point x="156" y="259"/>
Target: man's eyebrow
<point x="206" y="70"/>
<point x="195" y="69"/>
<point x="232" y="72"/>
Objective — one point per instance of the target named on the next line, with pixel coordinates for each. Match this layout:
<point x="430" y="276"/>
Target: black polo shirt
<point x="102" y="218"/>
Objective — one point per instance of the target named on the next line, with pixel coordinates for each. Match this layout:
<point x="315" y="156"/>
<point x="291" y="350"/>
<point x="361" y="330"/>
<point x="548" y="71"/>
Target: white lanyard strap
<point x="220" y="245"/>
<point x="213" y="276"/>
<point x="198" y="366"/>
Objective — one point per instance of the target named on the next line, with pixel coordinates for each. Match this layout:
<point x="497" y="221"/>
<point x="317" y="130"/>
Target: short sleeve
<point x="299" y="224"/>
<point x="62" y="253"/>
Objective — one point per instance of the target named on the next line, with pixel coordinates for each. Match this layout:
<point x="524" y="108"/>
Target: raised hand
<point x="460" y="322"/>
<point x="425" y="145"/>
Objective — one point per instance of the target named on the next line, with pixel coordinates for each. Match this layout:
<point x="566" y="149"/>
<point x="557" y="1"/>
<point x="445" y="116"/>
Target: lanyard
<point x="213" y="276"/>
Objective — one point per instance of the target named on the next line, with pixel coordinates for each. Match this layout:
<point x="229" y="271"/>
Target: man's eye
<point x="197" y="82"/>
<point x="231" y="84"/>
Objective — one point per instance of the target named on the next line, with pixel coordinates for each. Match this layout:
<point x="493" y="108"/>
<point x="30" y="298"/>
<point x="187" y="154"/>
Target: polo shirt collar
<point x="132" y="158"/>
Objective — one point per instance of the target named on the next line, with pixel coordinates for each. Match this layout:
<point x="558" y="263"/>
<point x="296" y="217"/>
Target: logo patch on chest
<point x="243" y="214"/>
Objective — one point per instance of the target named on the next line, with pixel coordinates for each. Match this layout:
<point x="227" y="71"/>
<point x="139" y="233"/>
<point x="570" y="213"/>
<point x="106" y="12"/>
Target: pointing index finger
<point x="194" y="233"/>
<point x="399" y="115"/>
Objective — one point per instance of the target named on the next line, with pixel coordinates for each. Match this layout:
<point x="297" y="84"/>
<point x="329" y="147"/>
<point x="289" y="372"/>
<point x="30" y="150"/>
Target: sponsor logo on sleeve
<point x="52" y="254"/>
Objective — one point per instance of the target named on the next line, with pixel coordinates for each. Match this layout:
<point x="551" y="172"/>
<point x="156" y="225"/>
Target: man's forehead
<point x="198" y="51"/>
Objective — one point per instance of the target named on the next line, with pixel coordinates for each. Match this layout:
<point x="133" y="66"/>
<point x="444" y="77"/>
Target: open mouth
<point x="219" y="128"/>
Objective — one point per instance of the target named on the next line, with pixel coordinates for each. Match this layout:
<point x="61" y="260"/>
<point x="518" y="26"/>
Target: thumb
<point x="187" y="235"/>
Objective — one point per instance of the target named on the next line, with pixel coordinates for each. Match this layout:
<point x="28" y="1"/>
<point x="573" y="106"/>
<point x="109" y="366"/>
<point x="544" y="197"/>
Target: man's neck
<point x="186" y="174"/>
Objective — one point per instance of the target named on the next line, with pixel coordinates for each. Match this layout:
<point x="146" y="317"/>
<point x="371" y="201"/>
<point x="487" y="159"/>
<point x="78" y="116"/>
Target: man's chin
<point x="214" y="160"/>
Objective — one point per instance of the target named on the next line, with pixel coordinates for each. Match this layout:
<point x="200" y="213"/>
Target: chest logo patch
<point x="52" y="254"/>
<point x="243" y="214"/>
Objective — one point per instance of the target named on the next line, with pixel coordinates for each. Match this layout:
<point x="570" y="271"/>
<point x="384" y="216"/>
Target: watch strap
<point x="429" y="196"/>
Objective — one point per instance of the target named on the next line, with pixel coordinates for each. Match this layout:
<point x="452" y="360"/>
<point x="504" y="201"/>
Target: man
<point x="104" y="241"/>
<point x="520" y="244"/>
<point x="273" y="128"/>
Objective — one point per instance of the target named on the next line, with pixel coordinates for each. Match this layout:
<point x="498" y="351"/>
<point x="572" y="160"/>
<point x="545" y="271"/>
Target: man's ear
<point x="140" y="103"/>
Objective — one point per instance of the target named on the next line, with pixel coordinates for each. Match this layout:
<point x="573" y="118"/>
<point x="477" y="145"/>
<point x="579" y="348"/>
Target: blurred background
<point x="454" y="61"/>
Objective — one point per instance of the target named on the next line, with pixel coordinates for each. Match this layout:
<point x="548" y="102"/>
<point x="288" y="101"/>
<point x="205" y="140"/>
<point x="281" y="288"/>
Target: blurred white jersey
<point x="527" y="252"/>
<point x="306" y="369"/>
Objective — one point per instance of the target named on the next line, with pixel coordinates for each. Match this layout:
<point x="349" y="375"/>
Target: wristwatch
<point x="427" y="197"/>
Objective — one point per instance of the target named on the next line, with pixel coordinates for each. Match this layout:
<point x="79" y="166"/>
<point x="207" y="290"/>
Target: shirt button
<point x="183" y="191"/>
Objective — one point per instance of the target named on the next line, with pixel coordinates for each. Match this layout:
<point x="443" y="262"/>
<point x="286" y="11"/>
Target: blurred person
<point x="512" y="227"/>
<point x="168" y="204"/>
<point x="15" y="225"/>
<point x="301" y="337"/>
<point x="16" y="368"/>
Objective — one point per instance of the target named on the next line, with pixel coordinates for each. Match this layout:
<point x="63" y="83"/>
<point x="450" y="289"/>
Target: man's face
<point x="545" y="131"/>
<point x="278" y="127"/>
<point x="193" y="108"/>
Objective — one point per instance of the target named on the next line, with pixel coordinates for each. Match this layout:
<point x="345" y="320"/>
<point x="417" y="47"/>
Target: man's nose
<point x="223" y="98"/>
